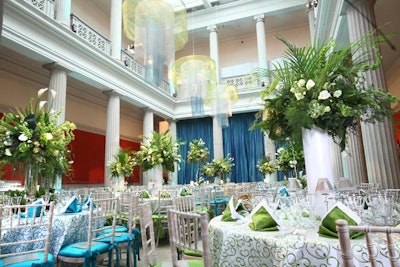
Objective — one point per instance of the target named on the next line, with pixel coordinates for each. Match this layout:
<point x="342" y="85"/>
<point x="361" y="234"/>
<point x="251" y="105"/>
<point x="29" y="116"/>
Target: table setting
<point x="286" y="231"/>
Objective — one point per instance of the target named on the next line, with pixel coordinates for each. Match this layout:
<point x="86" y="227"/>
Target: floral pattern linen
<point x="235" y="244"/>
<point x="66" y="229"/>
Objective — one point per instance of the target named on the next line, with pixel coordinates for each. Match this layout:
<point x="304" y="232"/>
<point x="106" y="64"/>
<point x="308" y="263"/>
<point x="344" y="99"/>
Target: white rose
<point x="310" y="84"/>
<point x="22" y="137"/>
<point x="324" y="95"/>
<point x="48" y="136"/>
<point x="337" y="93"/>
<point x="299" y="95"/>
<point x="8" y="152"/>
<point x="301" y="83"/>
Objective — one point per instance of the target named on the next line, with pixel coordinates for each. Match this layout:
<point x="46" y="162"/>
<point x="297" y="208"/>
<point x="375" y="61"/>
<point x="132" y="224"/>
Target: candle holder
<point x="324" y="188"/>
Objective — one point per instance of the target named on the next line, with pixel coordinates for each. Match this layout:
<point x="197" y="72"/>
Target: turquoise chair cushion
<point x="77" y="250"/>
<point x="118" y="229"/>
<point x="118" y="238"/>
<point x="29" y="260"/>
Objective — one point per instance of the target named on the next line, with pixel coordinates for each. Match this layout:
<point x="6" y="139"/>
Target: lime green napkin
<point x="165" y="195"/>
<point x="144" y="194"/>
<point x="263" y="221"/>
<point x="328" y="224"/>
<point x="239" y="210"/>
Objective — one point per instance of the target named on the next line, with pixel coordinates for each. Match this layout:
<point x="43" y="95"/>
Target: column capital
<point x="212" y="28"/>
<point x="259" y="18"/>
<point x="112" y="92"/>
<point x="57" y="66"/>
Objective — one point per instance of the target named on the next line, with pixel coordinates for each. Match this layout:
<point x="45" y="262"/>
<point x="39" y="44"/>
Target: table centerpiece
<point x="218" y="168"/>
<point x="198" y="154"/>
<point x="320" y="92"/>
<point x="35" y="144"/>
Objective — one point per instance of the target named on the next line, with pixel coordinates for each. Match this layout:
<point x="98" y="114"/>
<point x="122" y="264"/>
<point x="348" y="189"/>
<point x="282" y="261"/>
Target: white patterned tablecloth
<point x="235" y="244"/>
<point x="67" y="228"/>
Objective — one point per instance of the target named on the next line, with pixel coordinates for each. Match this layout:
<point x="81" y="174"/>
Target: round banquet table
<point x="235" y="244"/>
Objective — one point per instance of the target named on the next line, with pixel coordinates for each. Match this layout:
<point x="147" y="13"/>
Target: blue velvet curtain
<point x="187" y="131"/>
<point x="245" y="146"/>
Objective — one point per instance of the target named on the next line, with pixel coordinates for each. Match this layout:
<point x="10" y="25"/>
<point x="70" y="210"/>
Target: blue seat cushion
<point x="118" y="238"/>
<point x="78" y="250"/>
<point x="28" y="260"/>
<point x="118" y="228"/>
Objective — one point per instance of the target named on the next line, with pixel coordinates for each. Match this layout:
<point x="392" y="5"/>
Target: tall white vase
<point x="155" y="176"/>
<point x="317" y="156"/>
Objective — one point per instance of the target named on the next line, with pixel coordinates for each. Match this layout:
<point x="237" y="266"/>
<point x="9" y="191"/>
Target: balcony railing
<point x="244" y="82"/>
<point x="90" y="35"/>
<point x="132" y="64"/>
<point x="46" y="6"/>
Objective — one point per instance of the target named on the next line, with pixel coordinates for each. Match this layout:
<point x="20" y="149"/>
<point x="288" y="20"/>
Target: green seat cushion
<point x="191" y="263"/>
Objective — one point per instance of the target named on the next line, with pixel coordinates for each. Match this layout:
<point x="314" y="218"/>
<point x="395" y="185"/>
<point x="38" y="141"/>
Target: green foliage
<point x="158" y="149"/>
<point x="323" y="85"/>
<point x="123" y="164"/>
<point x="33" y="136"/>
<point x="197" y="153"/>
<point x="218" y="167"/>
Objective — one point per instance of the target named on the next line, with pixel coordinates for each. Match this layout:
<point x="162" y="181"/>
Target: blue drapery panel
<point x="187" y="131"/>
<point x="245" y="146"/>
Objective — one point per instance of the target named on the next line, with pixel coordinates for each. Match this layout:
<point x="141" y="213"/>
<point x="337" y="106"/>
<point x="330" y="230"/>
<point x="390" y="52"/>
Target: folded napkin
<point x="338" y="211"/>
<point x="283" y="192"/>
<point x="144" y="194"/>
<point x="235" y="210"/>
<point x="34" y="211"/>
<point x="263" y="219"/>
<point x="185" y="192"/>
<point x="73" y="206"/>
<point x="165" y="195"/>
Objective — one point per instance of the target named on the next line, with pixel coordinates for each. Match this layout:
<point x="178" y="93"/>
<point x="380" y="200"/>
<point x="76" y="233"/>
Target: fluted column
<point x="115" y="28"/>
<point x="311" y="21"/>
<point x="173" y="176"/>
<point x="261" y="43"/>
<point x="63" y="12"/>
<point x="58" y="83"/>
<point x="1" y="15"/>
<point x="112" y="134"/>
<point x="148" y="129"/>
<point x="217" y="129"/>
<point x="381" y="157"/>
<point x="354" y="161"/>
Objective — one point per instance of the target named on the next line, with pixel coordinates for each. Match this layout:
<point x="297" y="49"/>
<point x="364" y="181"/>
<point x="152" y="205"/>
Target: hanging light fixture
<point x="194" y="77"/>
<point x="221" y="100"/>
<point x="158" y="29"/>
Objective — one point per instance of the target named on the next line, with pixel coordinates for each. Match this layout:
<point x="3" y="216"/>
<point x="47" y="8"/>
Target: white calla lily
<point x="310" y="84"/>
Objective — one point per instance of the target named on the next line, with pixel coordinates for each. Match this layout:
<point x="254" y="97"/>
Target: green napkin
<point x="328" y="224"/>
<point x="165" y="195"/>
<point x="144" y="194"/>
<point x="262" y="221"/>
<point x="227" y="214"/>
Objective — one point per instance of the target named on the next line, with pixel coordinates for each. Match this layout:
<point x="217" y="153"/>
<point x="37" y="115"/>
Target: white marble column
<point x="148" y="129"/>
<point x="261" y="43"/>
<point x="173" y="176"/>
<point x="1" y="16"/>
<point x="112" y="134"/>
<point x="63" y="12"/>
<point x="116" y="28"/>
<point x="214" y="50"/>
<point x="311" y="22"/>
<point x="58" y="83"/>
<point x="381" y="157"/>
<point x="353" y="160"/>
<point x="217" y="129"/>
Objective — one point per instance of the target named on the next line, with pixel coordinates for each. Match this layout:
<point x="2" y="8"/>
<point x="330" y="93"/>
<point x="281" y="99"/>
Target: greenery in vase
<point x="123" y="164"/>
<point x="290" y="158"/>
<point x="33" y="136"/>
<point x="218" y="167"/>
<point x="266" y="165"/>
<point x="197" y="153"/>
<point x="323" y="85"/>
<point x="158" y="149"/>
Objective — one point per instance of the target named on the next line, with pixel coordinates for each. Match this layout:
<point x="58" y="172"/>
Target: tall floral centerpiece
<point x="218" y="168"/>
<point x="122" y="165"/>
<point x="33" y="141"/>
<point x="267" y="167"/>
<point x="320" y="91"/>
<point x="158" y="151"/>
<point x="197" y="154"/>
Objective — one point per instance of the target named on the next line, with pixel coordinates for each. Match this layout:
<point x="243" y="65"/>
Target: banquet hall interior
<point x="119" y="79"/>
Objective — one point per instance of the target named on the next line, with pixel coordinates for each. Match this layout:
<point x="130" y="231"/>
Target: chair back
<point x="188" y="230"/>
<point x="187" y="203"/>
<point x="129" y="203"/>
<point x="101" y="194"/>
<point x="147" y="232"/>
<point x="343" y="230"/>
<point x="102" y="219"/>
<point x="25" y="229"/>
